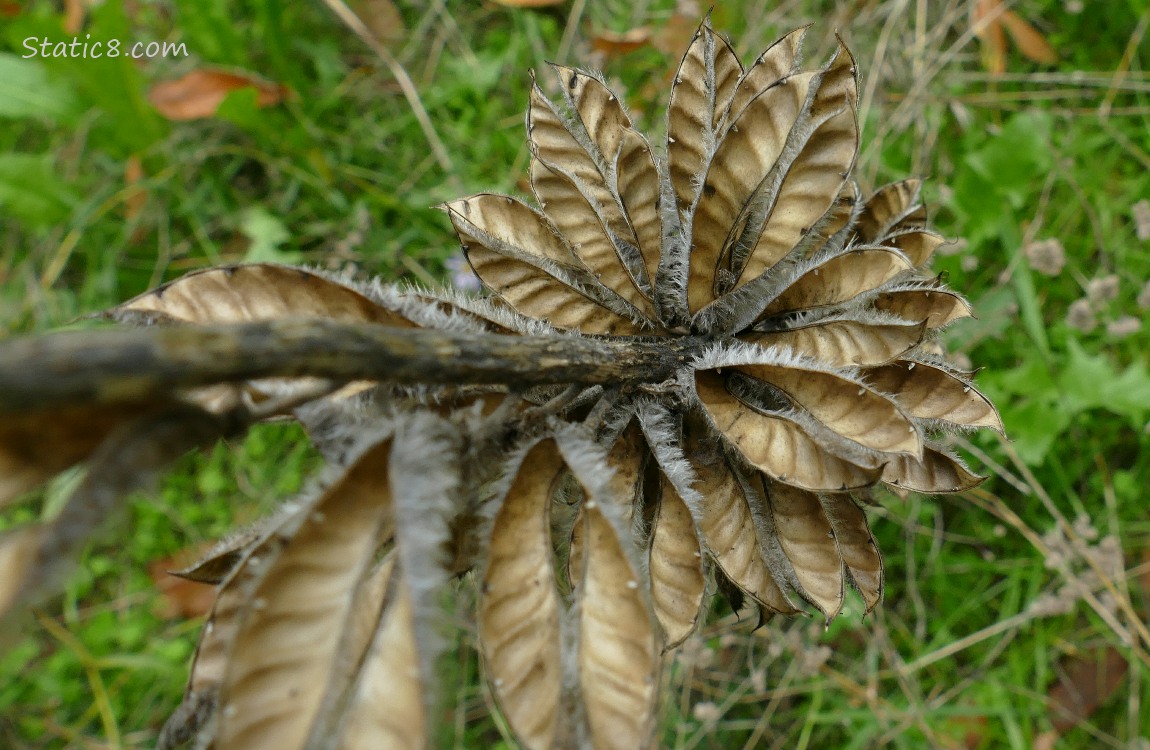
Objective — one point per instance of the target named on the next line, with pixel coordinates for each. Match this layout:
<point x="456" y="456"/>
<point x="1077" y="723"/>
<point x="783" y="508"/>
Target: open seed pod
<point x="593" y="514"/>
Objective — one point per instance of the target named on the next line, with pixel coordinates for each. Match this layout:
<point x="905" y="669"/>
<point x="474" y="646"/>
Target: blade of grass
<point x="353" y="22"/>
<point x="100" y="696"/>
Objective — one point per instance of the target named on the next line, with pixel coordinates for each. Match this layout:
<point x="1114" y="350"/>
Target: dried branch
<point x="112" y="366"/>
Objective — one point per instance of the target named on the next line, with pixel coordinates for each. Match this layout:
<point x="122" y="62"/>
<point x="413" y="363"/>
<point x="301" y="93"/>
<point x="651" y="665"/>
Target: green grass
<point x="344" y="174"/>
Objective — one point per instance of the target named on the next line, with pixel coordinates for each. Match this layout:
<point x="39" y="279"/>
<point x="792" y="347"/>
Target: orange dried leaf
<point x="135" y="196"/>
<point x="621" y="42"/>
<point x="1084" y="684"/>
<point x="528" y="3"/>
<point x="74" y="13"/>
<point x="674" y="37"/>
<point x="200" y="93"/>
<point x="181" y="597"/>
<point x="983" y="15"/>
<point x="1029" y="40"/>
<point x="382" y="18"/>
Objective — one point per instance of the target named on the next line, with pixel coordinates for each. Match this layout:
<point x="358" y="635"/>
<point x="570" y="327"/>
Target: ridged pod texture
<point x="816" y="301"/>
<point x="594" y="520"/>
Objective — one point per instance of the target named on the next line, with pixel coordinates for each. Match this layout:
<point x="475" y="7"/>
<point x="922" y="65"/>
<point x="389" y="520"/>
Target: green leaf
<point x="239" y="107"/>
<point x="1030" y="380"/>
<point x="266" y="233"/>
<point x="1034" y="426"/>
<point x="32" y="192"/>
<point x="1015" y="161"/>
<point x="26" y="91"/>
<point x="1091" y="381"/>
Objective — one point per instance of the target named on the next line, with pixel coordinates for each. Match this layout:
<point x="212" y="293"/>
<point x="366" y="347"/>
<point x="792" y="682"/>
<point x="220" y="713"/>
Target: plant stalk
<point x="93" y="367"/>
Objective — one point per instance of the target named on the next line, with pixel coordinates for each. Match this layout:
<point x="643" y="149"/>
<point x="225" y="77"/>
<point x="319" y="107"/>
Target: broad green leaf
<point x="267" y="233"/>
<point x="26" y="90"/>
<point x="32" y="191"/>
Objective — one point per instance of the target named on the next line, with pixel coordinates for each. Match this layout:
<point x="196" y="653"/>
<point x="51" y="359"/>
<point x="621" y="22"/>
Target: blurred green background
<point x="1015" y="616"/>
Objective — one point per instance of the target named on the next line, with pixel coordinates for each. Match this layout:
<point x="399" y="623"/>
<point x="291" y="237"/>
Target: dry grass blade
<point x="936" y="472"/>
<point x="845" y="342"/>
<point x="618" y="653"/>
<point x="935" y="307"/>
<point x="263" y="291"/>
<point x="519" y="605"/>
<point x="37" y="445"/>
<point x="840" y="279"/>
<point x="930" y="392"/>
<point x="856" y="546"/>
<point x="849" y="407"/>
<point x="676" y="565"/>
<point x="410" y="92"/>
<point x="777" y="445"/>
<point x="287" y="647"/>
<point x="806" y="538"/>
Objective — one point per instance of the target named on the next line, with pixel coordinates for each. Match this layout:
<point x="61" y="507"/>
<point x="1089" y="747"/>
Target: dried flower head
<point x="1140" y="213"/>
<point x="790" y="321"/>
<point x="1143" y="300"/>
<point x="1046" y="256"/>
<point x="1123" y="326"/>
<point x="1080" y="316"/>
<point x="1102" y="289"/>
<point x="748" y="234"/>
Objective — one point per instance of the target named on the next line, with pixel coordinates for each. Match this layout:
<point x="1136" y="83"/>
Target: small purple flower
<point x="462" y="277"/>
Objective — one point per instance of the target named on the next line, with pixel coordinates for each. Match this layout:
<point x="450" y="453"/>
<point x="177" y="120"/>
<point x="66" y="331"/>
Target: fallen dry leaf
<point x="528" y="3"/>
<point x="991" y="23"/>
<point x="675" y="34"/>
<point x="180" y="597"/>
<point x="611" y="43"/>
<point x="1084" y="683"/>
<point x="135" y="197"/>
<point x="382" y="18"/>
<point x="200" y="93"/>
<point x="1029" y="40"/>
<point x="74" y="13"/>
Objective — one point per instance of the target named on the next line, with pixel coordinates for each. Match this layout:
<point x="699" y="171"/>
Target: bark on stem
<point x="117" y="365"/>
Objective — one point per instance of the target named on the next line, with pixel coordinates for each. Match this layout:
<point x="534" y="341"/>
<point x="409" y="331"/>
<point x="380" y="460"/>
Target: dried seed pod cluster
<point x="594" y="518"/>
